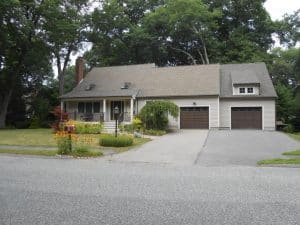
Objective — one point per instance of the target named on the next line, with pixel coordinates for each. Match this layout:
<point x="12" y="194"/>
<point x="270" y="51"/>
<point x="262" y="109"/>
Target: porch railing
<point x="125" y="116"/>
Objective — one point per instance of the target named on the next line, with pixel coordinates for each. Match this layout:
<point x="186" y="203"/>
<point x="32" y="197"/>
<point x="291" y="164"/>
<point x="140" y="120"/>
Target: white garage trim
<point x="252" y="106"/>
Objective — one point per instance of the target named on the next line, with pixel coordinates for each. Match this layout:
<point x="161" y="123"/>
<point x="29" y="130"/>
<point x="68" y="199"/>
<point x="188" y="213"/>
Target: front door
<point x="120" y="105"/>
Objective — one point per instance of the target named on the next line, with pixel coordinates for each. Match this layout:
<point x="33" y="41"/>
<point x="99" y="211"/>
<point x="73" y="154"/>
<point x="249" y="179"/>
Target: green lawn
<point x="295" y="153"/>
<point x="29" y="152"/>
<point x="279" y="161"/>
<point x="45" y="137"/>
<point x="294" y="158"/>
<point x="27" y="137"/>
<point x="93" y="153"/>
<point x="296" y="136"/>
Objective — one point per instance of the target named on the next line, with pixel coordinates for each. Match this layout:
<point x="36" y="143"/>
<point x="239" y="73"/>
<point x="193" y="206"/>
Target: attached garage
<point x="194" y="118"/>
<point x="246" y="118"/>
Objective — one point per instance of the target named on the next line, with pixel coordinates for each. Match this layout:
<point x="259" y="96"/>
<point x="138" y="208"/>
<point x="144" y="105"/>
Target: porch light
<point x="116" y="110"/>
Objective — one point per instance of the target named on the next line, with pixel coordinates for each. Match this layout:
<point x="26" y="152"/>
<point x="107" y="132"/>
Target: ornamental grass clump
<point x="64" y="142"/>
<point x="109" y="140"/>
<point x="73" y="144"/>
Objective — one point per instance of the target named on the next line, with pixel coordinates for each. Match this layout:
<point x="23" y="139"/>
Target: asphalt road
<point x="38" y="191"/>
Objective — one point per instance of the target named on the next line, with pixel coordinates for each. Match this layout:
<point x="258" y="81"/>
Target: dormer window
<point x="242" y="90"/>
<point x="245" y="90"/>
<point x="245" y="83"/>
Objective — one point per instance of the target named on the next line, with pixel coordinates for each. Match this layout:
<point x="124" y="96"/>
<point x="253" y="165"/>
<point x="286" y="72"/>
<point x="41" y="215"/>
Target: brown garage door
<point x="194" y="118"/>
<point x="246" y="118"/>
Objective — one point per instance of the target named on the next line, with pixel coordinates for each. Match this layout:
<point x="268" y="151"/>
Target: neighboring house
<point x="233" y="96"/>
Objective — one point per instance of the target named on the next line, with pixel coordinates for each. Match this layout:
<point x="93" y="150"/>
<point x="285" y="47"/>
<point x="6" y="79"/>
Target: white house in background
<point x="233" y="96"/>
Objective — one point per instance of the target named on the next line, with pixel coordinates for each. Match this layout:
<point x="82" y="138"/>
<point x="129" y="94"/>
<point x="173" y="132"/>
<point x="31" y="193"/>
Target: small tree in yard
<point x="60" y="116"/>
<point x="154" y="114"/>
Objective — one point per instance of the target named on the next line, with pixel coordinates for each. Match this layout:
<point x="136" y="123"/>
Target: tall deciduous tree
<point x="284" y="103"/>
<point x="116" y="35"/>
<point x="288" y="29"/>
<point x="285" y="67"/>
<point x="244" y="32"/>
<point x="23" y="54"/>
<point x="185" y="27"/>
<point x="65" y="27"/>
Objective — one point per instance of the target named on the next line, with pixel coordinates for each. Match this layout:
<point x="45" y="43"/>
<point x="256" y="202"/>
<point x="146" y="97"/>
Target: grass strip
<point x="87" y="154"/>
<point x="296" y="153"/>
<point x="295" y="136"/>
<point x="50" y="153"/>
<point x="279" y="161"/>
<point x="29" y="152"/>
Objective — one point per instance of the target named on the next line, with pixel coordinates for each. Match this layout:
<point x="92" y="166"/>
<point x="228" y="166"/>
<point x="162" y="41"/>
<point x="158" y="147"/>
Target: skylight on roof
<point x="90" y="87"/>
<point x="126" y="85"/>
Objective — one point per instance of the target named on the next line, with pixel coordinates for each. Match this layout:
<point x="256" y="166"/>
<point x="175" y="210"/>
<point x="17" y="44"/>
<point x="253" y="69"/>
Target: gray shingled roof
<point x="246" y="73"/>
<point x="150" y="81"/>
<point x="146" y="80"/>
<point x="247" y="77"/>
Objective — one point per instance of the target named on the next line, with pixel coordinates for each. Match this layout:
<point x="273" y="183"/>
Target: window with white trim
<point x="88" y="107"/>
<point x="242" y="90"/>
<point x="250" y="90"/>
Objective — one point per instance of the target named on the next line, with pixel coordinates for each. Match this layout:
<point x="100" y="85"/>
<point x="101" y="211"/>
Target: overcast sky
<point x="277" y="8"/>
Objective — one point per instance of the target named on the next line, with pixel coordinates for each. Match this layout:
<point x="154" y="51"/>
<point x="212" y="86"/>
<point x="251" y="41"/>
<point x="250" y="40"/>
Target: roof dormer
<point x="245" y="83"/>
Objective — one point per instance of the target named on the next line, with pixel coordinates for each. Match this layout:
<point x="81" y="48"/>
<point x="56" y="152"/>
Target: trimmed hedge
<point x="109" y="140"/>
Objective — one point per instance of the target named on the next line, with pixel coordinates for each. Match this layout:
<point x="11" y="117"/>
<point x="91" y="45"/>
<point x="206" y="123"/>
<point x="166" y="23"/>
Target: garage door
<point x="246" y="118"/>
<point x="194" y="118"/>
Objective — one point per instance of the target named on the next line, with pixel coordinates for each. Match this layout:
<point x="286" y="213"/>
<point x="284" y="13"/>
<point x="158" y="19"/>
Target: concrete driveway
<point x="244" y="147"/>
<point x="181" y="147"/>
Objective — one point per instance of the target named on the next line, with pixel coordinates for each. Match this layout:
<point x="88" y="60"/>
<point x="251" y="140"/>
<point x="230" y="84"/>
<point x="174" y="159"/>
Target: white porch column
<point x="131" y="109"/>
<point x="104" y="110"/>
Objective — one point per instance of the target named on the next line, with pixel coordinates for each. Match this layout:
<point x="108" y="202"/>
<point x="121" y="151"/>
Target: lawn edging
<point x="292" y="161"/>
<point x="292" y="153"/>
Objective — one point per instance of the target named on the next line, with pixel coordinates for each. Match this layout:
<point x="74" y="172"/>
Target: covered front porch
<point x="100" y="110"/>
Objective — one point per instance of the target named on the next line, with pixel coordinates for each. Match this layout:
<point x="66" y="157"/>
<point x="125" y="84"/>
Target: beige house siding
<point x="268" y="111"/>
<point x="211" y="102"/>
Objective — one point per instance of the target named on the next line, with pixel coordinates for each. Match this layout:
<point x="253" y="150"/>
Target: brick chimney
<point x="79" y="69"/>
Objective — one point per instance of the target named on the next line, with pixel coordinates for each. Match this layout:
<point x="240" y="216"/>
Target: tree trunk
<point x="194" y="62"/>
<point x="201" y="56"/>
<point x="3" y="108"/>
<point x="61" y="68"/>
<point x="61" y="79"/>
